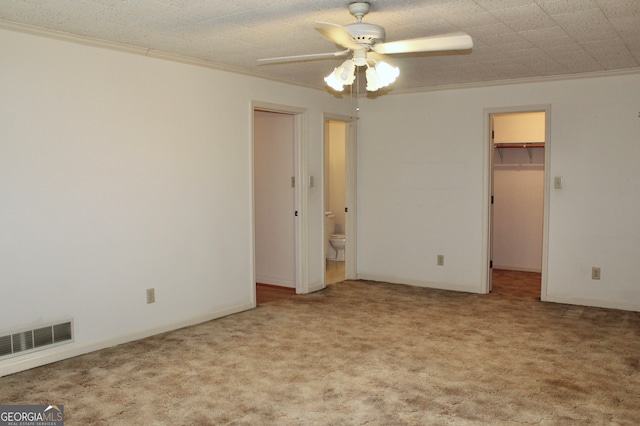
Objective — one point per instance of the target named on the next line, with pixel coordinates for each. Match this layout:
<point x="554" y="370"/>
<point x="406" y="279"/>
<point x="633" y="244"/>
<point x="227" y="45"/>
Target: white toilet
<point x="329" y="227"/>
<point x="334" y="243"/>
<point x="338" y="242"/>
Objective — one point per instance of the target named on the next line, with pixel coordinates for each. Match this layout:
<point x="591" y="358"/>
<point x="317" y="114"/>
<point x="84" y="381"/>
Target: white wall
<point x="422" y="168"/>
<point x="120" y="173"/>
<point x="273" y="159"/>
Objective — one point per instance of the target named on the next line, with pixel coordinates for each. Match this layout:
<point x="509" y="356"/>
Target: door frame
<point x="350" y="253"/>
<point x="488" y="191"/>
<point x="301" y="194"/>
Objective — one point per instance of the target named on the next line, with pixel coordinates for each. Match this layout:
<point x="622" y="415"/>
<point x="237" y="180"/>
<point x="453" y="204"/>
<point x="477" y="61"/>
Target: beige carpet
<point x="363" y="353"/>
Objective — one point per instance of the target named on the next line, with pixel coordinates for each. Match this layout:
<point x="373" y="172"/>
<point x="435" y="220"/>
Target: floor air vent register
<point x="31" y="340"/>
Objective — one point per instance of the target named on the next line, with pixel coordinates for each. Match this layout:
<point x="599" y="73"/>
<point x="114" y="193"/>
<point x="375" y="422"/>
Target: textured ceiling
<point x="513" y="39"/>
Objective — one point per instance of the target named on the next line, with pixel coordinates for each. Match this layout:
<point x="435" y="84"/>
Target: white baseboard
<point x="37" y="359"/>
<point x="420" y="283"/>
<point x="316" y="287"/>
<point x="608" y="304"/>
<point x="549" y="298"/>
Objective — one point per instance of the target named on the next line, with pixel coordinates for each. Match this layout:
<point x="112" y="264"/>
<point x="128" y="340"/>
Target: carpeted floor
<point x="363" y="353"/>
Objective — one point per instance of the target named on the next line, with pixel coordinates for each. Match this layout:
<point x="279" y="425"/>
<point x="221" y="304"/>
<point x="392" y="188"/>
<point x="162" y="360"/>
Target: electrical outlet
<point x="440" y="259"/>
<point x="595" y="273"/>
<point x="151" y="295"/>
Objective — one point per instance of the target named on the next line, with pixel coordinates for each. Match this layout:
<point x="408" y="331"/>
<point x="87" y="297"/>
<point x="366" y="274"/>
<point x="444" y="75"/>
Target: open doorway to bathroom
<point x="335" y="200"/>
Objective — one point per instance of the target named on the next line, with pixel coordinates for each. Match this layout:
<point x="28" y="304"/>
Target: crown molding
<point x="136" y="50"/>
<point x="527" y="80"/>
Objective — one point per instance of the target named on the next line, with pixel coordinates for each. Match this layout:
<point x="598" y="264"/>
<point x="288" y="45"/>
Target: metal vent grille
<point x="22" y="341"/>
<point x="62" y="332"/>
<point x="5" y="345"/>
<point x="19" y="342"/>
<point x="42" y="336"/>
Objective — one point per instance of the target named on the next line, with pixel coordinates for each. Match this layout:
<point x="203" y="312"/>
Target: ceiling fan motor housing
<point x="367" y="34"/>
<point x="364" y="33"/>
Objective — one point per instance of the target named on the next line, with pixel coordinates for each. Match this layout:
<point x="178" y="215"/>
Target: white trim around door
<point x="350" y="194"/>
<point x="300" y="190"/>
<point x="487" y="191"/>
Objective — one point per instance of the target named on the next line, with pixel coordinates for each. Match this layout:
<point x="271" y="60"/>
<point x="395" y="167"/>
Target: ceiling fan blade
<point x="303" y="57"/>
<point x="453" y="41"/>
<point x="337" y="34"/>
<point x="378" y="57"/>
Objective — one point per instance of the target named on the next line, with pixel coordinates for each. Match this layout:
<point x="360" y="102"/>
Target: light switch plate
<point x="557" y="182"/>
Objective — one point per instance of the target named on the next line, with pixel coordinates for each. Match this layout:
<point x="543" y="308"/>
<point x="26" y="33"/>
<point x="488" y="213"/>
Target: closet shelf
<point x="527" y="145"/>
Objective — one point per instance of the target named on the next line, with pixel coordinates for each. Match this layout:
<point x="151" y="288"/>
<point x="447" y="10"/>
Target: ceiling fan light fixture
<point x="341" y="76"/>
<point x="373" y="80"/>
<point x="360" y="58"/>
<point x="381" y="76"/>
<point x="333" y="82"/>
<point x="387" y="73"/>
<point x="378" y="76"/>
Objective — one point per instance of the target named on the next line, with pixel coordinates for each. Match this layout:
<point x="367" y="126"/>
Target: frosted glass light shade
<point x="379" y="76"/>
<point x="341" y="76"/>
<point x="387" y="73"/>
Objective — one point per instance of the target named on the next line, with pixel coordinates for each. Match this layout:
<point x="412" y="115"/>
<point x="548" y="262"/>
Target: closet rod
<point x="520" y="145"/>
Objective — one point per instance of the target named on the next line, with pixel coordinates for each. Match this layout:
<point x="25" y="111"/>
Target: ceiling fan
<point x="366" y="43"/>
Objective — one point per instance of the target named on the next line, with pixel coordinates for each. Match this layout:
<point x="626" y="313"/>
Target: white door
<point x="274" y="198"/>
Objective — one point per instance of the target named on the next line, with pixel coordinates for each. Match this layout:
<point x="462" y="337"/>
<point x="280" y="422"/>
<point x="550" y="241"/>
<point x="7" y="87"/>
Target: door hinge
<point x="296" y="213"/>
<point x="490" y="264"/>
<point x="346" y="209"/>
<point x="492" y="199"/>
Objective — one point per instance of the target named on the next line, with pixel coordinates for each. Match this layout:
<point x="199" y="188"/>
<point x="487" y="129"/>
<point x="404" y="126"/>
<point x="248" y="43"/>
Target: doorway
<point x="518" y="142"/>
<point x="339" y="199"/>
<point x="334" y="200"/>
<point x="274" y="198"/>
<point x="278" y="241"/>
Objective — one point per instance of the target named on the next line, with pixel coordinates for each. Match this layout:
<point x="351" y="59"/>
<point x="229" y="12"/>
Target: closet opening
<point x="518" y="203"/>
